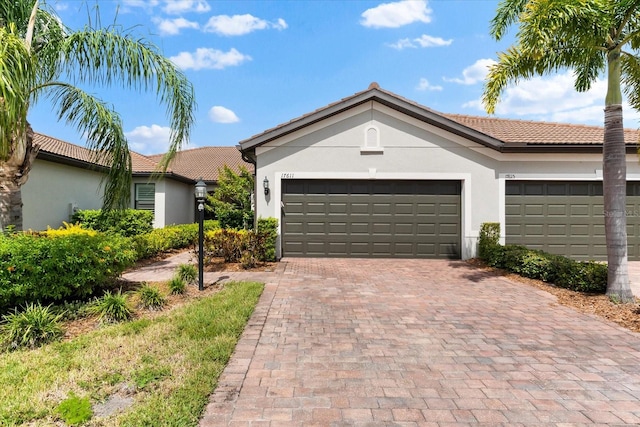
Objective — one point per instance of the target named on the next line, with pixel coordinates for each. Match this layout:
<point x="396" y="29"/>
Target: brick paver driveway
<point x="422" y="342"/>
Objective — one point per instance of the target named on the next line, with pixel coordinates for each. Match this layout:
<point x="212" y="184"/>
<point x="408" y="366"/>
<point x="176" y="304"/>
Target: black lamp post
<point x="201" y="194"/>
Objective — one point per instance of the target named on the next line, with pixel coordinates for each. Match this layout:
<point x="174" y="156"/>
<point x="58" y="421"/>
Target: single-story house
<point x="64" y="179"/>
<point x="378" y="175"/>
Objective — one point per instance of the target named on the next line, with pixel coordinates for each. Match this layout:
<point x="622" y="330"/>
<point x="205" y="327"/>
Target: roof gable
<point x="506" y="135"/>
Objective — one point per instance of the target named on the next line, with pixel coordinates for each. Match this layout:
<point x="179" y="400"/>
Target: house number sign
<point x="510" y="176"/>
<point x="286" y="175"/>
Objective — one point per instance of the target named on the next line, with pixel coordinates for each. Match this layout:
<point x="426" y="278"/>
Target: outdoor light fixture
<point x="265" y="184"/>
<point x="201" y="195"/>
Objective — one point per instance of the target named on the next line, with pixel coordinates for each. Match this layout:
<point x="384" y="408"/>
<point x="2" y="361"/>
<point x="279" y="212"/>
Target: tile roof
<point x="530" y="132"/>
<point x="60" y="148"/>
<point x="191" y="164"/>
<point x="204" y="162"/>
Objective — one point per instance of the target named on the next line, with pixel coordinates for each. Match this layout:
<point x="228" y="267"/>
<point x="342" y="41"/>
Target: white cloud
<point x="219" y="114"/>
<point x="554" y="99"/>
<point x="397" y="14"/>
<point x="475" y="73"/>
<point x="176" y="7"/>
<point x="429" y="41"/>
<point x="144" y="4"/>
<point x="211" y="59"/>
<point x="422" y="41"/>
<point x="238" y="25"/>
<point x="60" y="6"/>
<point x="172" y="27"/>
<point x="425" y="85"/>
<point x="152" y="139"/>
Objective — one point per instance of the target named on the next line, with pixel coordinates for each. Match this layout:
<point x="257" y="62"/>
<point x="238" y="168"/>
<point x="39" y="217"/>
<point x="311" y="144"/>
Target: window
<point x="146" y="197"/>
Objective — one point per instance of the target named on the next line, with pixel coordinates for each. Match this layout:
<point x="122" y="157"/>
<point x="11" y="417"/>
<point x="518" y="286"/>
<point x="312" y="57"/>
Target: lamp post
<point x="201" y="194"/>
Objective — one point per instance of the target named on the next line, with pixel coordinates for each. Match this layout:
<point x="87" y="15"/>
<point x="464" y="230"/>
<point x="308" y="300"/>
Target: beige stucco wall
<point x="53" y="190"/>
<point x="407" y="149"/>
<point x="411" y="149"/>
<point x="174" y="201"/>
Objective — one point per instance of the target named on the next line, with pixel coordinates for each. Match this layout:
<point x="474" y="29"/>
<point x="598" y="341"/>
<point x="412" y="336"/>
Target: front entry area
<point x="371" y="218"/>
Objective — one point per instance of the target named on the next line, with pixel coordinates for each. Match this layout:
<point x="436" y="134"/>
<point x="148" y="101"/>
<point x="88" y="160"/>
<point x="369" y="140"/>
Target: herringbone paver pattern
<point x="422" y="343"/>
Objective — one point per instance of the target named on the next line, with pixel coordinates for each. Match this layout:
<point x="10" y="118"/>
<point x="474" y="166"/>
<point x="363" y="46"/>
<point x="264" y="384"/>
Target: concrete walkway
<point x="422" y="343"/>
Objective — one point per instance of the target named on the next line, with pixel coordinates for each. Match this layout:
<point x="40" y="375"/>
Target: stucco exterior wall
<point x="180" y="202"/>
<point x="372" y="141"/>
<point x="54" y="190"/>
<point x="407" y="149"/>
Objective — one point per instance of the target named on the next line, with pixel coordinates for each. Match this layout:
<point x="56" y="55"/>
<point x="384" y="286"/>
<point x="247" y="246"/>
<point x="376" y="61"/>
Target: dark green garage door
<point x="566" y="218"/>
<point x="358" y="218"/>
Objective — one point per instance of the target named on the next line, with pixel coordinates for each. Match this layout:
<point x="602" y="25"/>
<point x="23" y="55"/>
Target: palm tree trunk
<point x="615" y="195"/>
<point x="14" y="173"/>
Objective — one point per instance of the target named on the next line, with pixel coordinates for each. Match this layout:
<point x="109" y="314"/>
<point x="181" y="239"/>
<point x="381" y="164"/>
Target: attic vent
<point x="372" y="137"/>
<point x="371" y="141"/>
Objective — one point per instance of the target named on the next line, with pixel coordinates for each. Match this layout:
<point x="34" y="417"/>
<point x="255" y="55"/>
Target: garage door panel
<point x="571" y="214"/>
<point x="372" y="218"/>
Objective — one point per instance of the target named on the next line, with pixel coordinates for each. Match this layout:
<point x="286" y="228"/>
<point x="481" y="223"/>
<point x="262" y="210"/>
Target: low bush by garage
<point x="582" y="276"/>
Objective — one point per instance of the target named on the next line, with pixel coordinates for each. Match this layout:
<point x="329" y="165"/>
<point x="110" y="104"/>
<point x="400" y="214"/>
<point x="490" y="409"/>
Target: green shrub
<point x="188" y="273"/>
<point x="170" y="237"/>
<point x="75" y="410"/>
<point x="112" y="307"/>
<point x="563" y="272"/>
<point x="231" y="244"/>
<point x="150" y="297"/>
<point x="49" y="269"/>
<point x="127" y="222"/>
<point x="590" y="277"/>
<point x="268" y="227"/>
<point x="489" y="249"/>
<point x="33" y="326"/>
<point x="177" y="285"/>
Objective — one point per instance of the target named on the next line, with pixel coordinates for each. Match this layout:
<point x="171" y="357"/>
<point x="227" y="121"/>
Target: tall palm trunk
<point x="614" y="179"/>
<point x="13" y="174"/>
<point x="615" y="194"/>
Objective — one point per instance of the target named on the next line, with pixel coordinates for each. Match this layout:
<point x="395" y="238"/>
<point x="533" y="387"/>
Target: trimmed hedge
<point x="582" y="276"/>
<point x="127" y="222"/>
<point x="268" y="227"/>
<point x="51" y="269"/>
<point x="171" y="237"/>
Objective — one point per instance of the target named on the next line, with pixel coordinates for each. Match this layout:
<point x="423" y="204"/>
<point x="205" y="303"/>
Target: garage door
<point x="371" y="218"/>
<point x="566" y="218"/>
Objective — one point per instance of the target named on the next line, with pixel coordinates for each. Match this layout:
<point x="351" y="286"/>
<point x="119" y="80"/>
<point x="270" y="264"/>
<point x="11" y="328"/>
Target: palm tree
<point x="592" y="38"/>
<point x="39" y="57"/>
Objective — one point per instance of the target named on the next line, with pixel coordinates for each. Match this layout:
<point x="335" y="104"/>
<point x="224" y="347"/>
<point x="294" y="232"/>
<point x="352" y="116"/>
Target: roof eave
<point x="382" y="97"/>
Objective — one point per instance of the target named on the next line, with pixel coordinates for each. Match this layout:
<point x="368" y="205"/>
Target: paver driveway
<point x="337" y="342"/>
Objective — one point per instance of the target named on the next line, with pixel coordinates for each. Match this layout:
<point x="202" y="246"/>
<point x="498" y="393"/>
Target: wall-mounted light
<point x="265" y="184"/>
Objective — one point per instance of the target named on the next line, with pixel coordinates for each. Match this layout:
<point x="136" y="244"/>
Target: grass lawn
<point x="155" y="371"/>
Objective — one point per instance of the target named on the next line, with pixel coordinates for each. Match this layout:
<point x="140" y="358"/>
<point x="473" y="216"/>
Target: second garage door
<point x="377" y="218"/>
<point x="566" y="218"/>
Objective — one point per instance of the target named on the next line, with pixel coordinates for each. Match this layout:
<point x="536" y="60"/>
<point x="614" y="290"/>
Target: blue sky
<point x="257" y="64"/>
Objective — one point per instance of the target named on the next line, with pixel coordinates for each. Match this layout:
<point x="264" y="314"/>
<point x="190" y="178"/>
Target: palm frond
<point x="108" y="57"/>
<point x="17" y="76"/>
<point x="507" y="14"/>
<point x="631" y="80"/>
<point x="102" y="127"/>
